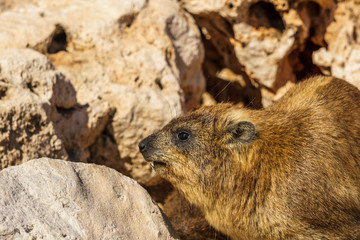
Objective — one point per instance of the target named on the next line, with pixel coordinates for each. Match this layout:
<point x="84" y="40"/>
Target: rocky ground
<point x="85" y="81"/>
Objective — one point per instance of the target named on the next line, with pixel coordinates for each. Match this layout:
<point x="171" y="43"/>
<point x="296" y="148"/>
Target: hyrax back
<point x="291" y="171"/>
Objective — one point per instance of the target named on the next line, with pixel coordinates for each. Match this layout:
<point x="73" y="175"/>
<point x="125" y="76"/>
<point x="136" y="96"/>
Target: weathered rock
<point x="25" y="133"/>
<point x="341" y="57"/>
<point x="39" y="113"/>
<point x="137" y="61"/>
<point x="25" y="69"/>
<point x="269" y="42"/>
<point x="54" y="199"/>
<point x="28" y="98"/>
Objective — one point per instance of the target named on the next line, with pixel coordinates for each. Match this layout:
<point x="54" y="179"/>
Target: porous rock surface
<point x="341" y="56"/>
<point x="54" y="199"/>
<point x="27" y="101"/>
<point x="265" y="43"/>
<point x="133" y="64"/>
<point x="39" y="112"/>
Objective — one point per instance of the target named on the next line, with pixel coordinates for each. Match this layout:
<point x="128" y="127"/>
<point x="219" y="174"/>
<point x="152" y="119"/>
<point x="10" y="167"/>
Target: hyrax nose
<point x="146" y="145"/>
<point x="142" y="146"/>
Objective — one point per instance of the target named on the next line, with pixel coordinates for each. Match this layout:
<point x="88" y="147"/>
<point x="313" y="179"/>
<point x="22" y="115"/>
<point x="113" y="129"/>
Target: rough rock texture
<point x="122" y="69"/>
<point x="266" y="43"/>
<point x="39" y="112"/>
<point x="136" y="63"/>
<point x="28" y="100"/>
<point x="54" y="199"/>
<point x="341" y="57"/>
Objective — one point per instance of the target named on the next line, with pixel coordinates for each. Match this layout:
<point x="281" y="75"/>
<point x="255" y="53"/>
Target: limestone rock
<point x="54" y="199"/>
<point x="268" y="43"/>
<point x="27" y="99"/>
<point x="39" y="112"/>
<point x="341" y="57"/>
<point x="138" y="62"/>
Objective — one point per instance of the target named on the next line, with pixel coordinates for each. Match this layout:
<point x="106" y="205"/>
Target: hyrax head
<point x="190" y="148"/>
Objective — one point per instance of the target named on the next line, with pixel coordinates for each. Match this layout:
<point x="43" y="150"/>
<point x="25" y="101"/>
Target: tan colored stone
<point x="26" y="134"/>
<point x="341" y="56"/>
<point x="39" y="112"/>
<point x="54" y="199"/>
<point x="134" y="64"/>
<point x="267" y="37"/>
<point x="27" y="99"/>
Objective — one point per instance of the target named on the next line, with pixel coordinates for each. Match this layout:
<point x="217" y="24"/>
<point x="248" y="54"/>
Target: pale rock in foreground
<point x="55" y="199"/>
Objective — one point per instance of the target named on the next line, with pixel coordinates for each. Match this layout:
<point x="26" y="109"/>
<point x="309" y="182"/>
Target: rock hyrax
<point x="290" y="171"/>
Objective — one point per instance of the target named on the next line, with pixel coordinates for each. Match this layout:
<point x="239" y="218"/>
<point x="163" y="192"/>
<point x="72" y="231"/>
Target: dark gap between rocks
<point x="264" y="14"/>
<point x="58" y="41"/>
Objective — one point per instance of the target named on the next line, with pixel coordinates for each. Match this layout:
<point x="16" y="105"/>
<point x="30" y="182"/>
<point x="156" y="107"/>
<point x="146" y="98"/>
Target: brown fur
<point x="296" y="177"/>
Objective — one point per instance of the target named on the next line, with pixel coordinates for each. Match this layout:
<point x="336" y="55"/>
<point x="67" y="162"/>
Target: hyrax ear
<point x="241" y="132"/>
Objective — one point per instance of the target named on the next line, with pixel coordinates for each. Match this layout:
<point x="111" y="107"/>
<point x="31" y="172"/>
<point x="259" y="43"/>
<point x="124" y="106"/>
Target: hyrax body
<point x="291" y="171"/>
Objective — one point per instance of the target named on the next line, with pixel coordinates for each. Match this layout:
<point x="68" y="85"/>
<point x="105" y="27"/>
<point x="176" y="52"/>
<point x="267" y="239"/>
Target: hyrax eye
<point x="183" y="136"/>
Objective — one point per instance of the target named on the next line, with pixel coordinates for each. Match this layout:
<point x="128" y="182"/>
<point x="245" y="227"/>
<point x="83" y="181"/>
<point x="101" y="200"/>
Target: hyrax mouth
<point x="149" y="152"/>
<point x="156" y="164"/>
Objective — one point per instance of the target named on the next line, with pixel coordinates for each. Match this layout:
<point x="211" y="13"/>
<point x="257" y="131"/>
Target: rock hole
<point x="34" y="125"/>
<point x="354" y="34"/>
<point x="264" y="14"/>
<point x="66" y="112"/>
<point x="3" y="91"/>
<point x="31" y="86"/>
<point x="158" y="83"/>
<point x="58" y="40"/>
<point x="126" y="20"/>
<point x="28" y="229"/>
